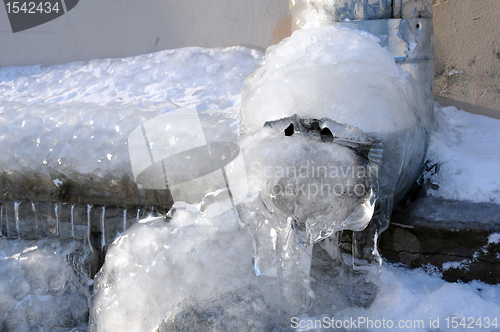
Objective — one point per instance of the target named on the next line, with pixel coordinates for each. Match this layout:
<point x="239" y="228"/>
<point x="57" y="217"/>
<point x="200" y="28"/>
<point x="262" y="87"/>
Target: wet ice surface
<point x="211" y="79"/>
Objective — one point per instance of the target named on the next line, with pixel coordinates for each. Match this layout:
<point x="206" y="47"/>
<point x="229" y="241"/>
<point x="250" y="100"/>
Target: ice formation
<point x="301" y="190"/>
<point x="44" y="285"/>
<point x="157" y="268"/>
<point x="211" y="79"/>
<point x="337" y="101"/>
<point x="346" y="76"/>
<point x="352" y="146"/>
<point x="64" y="132"/>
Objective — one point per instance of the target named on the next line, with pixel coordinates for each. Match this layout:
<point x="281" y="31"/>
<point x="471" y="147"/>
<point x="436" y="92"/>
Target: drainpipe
<point x="404" y="27"/>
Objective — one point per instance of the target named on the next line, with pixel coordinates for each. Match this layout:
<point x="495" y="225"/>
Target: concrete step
<point x="460" y="239"/>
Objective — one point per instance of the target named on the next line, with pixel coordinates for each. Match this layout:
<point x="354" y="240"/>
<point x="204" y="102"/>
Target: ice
<point x="157" y="268"/>
<point x="369" y="121"/>
<point x="194" y="272"/>
<point x="209" y="260"/>
<point x="44" y="285"/>
<point x="346" y="76"/>
<point x="313" y="11"/>
<point x="347" y="105"/>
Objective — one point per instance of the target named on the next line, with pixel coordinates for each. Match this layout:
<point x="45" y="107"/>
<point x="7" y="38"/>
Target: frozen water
<point x="44" y="285"/>
<point x="356" y="109"/>
<point x="301" y="191"/>
<point x="157" y="268"/>
<point x="212" y="79"/>
<point x="196" y="274"/>
<point x="348" y="77"/>
<point x="314" y="11"/>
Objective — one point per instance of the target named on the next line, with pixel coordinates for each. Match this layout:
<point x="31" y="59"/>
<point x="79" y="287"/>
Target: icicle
<point x="89" y="208"/>
<point x="56" y="211"/>
<point x="16" y="216"/>
<point x="72" y="220"/>
<point x="124" y="219"/>
<point x="36" y="219"/>
<point x="2" y="217"/>
<point x="103" y="228"/>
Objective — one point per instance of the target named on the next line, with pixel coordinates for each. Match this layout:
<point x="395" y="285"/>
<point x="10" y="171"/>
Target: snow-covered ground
<point x="465" y="149"/>
<point x="42" y="109"/>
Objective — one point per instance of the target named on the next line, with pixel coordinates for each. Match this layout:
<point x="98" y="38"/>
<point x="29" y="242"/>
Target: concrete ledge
<point x="450" y="235"/>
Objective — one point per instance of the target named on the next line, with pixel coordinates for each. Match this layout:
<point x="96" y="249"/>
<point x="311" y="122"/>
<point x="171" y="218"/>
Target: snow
<point x="328" y="71"/>
<point x="494" y="238"/>
<point x="47" y="114"/>
<point x="465" y="149"/>
<point x="415" y="295"/>
<point x="187" y="77"/>
<point x="157" y="268"/>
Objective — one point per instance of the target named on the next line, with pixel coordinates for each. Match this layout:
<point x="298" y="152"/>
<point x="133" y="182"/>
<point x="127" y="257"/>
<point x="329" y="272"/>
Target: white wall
<point x="119" y="28"/>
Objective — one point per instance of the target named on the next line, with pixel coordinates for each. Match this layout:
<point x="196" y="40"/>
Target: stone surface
<point x="450" y="235"/>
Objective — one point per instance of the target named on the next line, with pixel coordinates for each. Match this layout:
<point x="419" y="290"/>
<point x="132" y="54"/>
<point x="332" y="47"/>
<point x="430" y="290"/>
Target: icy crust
<point x="79" y="152"/>
<point x="464" y="157"/>
<point x="346" y="76"/>
<point x="43" y="285"/>
<point x="157" y="268"/>
<point x="64" y="128"/>
<point x="315" y="183"/>
<point x="330" y="72"/>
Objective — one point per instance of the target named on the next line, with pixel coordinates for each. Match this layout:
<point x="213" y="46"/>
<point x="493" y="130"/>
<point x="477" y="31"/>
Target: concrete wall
<point x="118" y="28"/>
<point x="467" y="38"/>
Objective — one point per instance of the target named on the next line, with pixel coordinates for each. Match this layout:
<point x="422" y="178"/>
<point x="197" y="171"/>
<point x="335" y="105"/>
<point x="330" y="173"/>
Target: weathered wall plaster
<point x="467" y="38"/>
